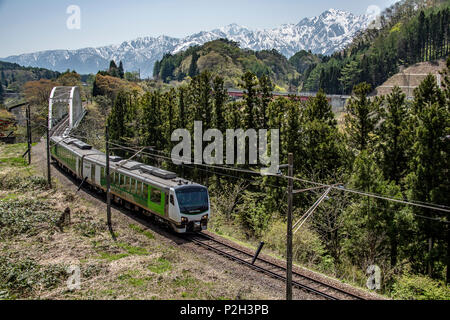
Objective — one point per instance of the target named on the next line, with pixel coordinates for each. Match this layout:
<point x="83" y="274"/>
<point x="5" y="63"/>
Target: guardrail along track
<point x="299" y="281"/>
<point x="59" y="128"/>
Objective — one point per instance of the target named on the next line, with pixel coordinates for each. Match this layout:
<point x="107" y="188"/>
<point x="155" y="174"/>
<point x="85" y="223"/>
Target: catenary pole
<point x="28" y="115"/>
<point x="289" y="228"/>
<point x="49" y="174"/>
<point x="108" y="186"/>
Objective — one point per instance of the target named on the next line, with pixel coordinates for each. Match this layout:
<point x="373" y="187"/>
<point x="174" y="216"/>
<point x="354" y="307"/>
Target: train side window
<point x="131" y="185"/>
<point x="127" y="184"/>
<point x="102" y="173"/>
<point x="155" y="196"/>
<point x="139" y="189"/>
<point x="93" y="172"/>
<point x="145" y="191"/>
<point x="172" y="201"/>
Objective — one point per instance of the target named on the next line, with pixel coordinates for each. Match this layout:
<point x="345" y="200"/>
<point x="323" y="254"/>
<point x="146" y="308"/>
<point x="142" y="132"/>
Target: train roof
<point x="153" y="175"/>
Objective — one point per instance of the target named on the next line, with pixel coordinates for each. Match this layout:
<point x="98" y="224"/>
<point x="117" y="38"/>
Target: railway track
<point x="300" y="281"/>
<point x="59" y="129"/>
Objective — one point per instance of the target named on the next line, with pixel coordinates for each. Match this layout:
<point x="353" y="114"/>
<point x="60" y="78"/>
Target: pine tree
<point x="182" y="107"/>
<point x="421" y="35"/>
<point x="95" y="89"/>
<point x="427" y="93"/>
<point x="157" y="69"/>
<point x="320" y="141"/>
<point x="375" y="228"/>
<point x="394" y="136"/>
<point x="121" y="71"/>
<point x="319" y="109"/>
<point x="169" y="118"/>
<point x="220" y="98"/>
<point x="1" y="93"/>
<point x="350" y="75"/>
<point x="150" y="128"/>
<point x="361" y="118"/>
<point x="193" y="70"/>
<point x="427" y="181"/>
<point x="118" y="116"/>
<point x="266" y="88"/>
<point x="249" y="83"/>
<point x="113" y="70"/>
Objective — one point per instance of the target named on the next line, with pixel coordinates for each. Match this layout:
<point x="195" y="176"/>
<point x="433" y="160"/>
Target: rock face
<point x="325" y="34"/>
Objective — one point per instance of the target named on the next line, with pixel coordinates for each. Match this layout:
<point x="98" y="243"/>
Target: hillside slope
<point x="13" y="76"/>
<point x="410" y="77"/>
<point x="408" y="32"/>
<point x="225" y="58"/>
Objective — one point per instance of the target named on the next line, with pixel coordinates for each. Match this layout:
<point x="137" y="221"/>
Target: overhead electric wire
<point x="430" y="206"/>
<point x="193" y="165"/>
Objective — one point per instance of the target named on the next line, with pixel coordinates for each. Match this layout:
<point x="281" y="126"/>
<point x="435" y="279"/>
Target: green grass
<point x="133" y="250"/>
<point x="14" y="161"/>
<point x="159" y="266"/>
<point x="186" y="280"/>
<point x="10" y="196"/>
<point x="138" y="229"/>
<point x="131" y="279"/>
<point x="112" y="257"/>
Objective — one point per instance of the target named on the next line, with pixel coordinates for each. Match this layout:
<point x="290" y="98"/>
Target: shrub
<point x="20" y="278"/>
<point x="416" y="287"/>
<point x="12" y="182"/>
<point x="307" y="247"/>
<point x="25" y="216"/>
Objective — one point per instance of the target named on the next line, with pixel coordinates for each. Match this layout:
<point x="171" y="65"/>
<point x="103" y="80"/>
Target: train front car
<point x="191" y="206"/>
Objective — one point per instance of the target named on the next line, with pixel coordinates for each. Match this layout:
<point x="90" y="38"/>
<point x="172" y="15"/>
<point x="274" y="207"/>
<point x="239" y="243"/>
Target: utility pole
<point x="108" y="187"/>
<point x="49" y="177"/>
<point x="289" y="228"/>
<point x="28" y="115"/>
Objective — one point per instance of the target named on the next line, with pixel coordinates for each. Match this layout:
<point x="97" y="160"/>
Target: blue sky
<point x="28" y="26"/>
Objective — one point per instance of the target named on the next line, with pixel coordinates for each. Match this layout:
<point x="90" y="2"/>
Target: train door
<point x="87" y="167"/>
<point x="97" y="175"/>
<point x="173" y="212"/>
<point x="78" y="166"/>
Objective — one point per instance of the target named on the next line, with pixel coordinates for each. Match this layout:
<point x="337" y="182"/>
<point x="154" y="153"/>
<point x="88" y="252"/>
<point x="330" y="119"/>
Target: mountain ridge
<point x="324" y="34"/>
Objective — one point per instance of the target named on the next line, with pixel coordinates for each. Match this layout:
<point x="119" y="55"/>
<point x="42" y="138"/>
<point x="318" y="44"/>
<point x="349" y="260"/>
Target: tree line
<point x="385" y="145"/>
<point x="404" y="35"/>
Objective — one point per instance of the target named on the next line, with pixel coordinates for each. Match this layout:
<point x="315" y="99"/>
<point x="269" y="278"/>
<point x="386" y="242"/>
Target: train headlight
<point x="184" y="221"/>
<point x="204" y="220"/>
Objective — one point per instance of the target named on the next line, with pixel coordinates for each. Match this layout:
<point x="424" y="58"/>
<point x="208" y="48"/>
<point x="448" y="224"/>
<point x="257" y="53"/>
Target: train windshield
<point x="192" y="200"/>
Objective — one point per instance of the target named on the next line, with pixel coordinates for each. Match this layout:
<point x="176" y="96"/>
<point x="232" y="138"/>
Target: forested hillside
<point x="225" y="58"/>
<point x="14" y="76"/>
<point x="410" y="31"/>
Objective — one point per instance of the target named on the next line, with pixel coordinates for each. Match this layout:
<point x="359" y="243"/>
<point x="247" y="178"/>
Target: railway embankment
<point x="49" y="253"/>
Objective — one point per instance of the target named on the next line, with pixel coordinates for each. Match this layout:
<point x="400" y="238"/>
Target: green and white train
<point x="181" y="204"/>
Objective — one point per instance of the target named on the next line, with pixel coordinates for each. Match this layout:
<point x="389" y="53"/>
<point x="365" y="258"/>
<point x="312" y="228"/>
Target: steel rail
<point x="274" y="266"/>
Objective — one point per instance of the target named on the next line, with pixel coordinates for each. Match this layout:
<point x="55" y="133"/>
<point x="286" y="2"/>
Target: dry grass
<point x="140" y="265"/>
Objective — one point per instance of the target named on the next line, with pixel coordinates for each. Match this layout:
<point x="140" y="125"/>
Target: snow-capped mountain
<point x="325" y="34"/>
